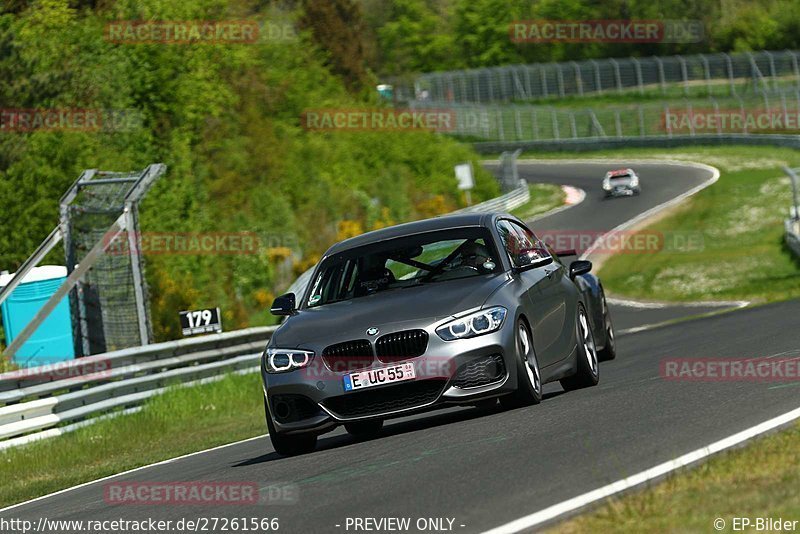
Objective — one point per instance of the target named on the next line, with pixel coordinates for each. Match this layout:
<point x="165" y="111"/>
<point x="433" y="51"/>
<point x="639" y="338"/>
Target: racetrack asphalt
<point x="483" y="468"/>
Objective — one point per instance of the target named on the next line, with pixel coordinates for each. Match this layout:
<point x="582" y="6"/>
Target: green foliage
<point x="427" y="35"/>
<point x="225" y="118"/>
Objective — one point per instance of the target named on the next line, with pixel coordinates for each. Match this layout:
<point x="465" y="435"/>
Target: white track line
<point x="699" y="304"/>
<point x="581" y="501"/>
<point x="162" y="462"/>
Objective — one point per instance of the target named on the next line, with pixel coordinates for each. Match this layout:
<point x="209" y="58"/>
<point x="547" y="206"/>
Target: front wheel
<point x="288" y="444"/>
<point x="529" y="381"/>
<point x="588" y="369"/>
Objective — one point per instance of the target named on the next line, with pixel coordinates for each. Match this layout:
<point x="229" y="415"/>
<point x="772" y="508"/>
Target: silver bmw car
<point x="462" y="309"/>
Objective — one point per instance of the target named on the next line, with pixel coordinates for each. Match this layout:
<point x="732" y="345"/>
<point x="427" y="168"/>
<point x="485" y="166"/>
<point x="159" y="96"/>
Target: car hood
<point x="397" y="309"/>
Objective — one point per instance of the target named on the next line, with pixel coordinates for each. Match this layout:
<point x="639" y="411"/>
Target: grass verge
<point x="544" y="197"/>
<point x="725" y="242"/>
<point x="759" y="480"/>
<point x="180" y="421"/>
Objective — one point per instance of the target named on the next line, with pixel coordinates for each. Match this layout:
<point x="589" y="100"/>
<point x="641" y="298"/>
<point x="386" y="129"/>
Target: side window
<point x="523" y="247"/>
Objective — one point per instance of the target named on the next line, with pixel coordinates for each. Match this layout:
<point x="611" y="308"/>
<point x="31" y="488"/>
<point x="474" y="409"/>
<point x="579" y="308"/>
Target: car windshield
<point x="404" y="262"/>
<point x="620" y="178"/>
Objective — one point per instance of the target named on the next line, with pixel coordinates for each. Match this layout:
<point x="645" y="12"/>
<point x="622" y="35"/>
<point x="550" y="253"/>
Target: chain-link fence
<point x="673" y="76"/>
<point x="753" y="114"/>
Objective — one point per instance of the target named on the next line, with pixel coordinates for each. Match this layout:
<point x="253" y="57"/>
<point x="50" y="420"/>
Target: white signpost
<point x="465" y="180"/>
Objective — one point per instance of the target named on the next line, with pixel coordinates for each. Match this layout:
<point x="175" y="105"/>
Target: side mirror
<point x="284" y="305"/>
<point x="579" y="267"/>
<point x="532" y="264"/>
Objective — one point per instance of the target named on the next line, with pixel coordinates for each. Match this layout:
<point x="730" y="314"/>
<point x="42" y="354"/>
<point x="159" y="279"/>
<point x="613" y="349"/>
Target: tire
<point x="529" y="381"/>
<point x="365" y="429"/>
<point x="588" y="368"/>
<point x="609" y="351"/>
<point x="287" y="444"/>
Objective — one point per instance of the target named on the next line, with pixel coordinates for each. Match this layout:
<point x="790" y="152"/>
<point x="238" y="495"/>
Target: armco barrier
<point x="36" y="399"/>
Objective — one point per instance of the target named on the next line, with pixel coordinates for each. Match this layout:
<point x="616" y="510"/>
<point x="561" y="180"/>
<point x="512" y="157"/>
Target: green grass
<point x="760" y="480"/>
<point x="544" y="197"/>
<point x="180" y="421"/>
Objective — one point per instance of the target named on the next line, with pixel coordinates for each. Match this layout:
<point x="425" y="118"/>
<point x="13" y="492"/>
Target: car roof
<point x="619" y="172"/>
<point x="426" y="225"/>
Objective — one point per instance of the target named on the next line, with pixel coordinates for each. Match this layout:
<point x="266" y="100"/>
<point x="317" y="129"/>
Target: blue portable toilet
<point x="52" y="341"/>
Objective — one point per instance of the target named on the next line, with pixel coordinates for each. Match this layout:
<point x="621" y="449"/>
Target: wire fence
<point x="673" y="76"/>
<point x="753" y="114"/>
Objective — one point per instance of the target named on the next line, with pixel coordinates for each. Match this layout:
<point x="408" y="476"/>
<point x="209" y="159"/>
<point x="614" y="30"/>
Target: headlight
<point x="606" y="184"/>
<point x="634" y="181"/>
<point x="474" y="324"/>
<point x="282" y="360"/>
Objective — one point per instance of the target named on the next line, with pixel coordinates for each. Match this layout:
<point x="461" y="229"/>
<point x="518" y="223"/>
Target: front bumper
<point x="621" y="191"/>
<point x="313" y="399"/>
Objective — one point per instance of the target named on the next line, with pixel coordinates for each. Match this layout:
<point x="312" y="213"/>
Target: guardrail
<point x="792" y="224"/>
<point x="36" y="399"/>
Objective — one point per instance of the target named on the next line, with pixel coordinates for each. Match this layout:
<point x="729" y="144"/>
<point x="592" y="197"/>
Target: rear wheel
<point x="529" y="381"/>
<point x="588" y="369"/>
<point x="364" y="429"/>
<point x="288" y="444"/>
<point x="609" y="352"/>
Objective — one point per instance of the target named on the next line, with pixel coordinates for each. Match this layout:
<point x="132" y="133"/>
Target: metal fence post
<point x="795" y="67"/>
<point x="617" y="76"/>
<point x="707" y="72"/>
<point x="543" y="76"/>
<point x="578" y="79"/>
<point x="661" y="79"/>
<point x="729" y="63"/>
<point x="597" y="79"/>
<point x="684" y="74"/>
<point x="667" y="124"/>
<point x="639" y="82"/>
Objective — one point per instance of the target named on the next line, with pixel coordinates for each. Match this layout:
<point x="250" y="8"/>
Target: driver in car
<point x="476" y="256"/>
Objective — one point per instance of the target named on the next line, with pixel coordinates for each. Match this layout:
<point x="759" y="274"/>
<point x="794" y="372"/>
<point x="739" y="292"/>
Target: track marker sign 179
<point x="200" y="321"/>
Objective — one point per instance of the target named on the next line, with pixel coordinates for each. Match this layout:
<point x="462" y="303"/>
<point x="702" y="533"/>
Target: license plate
<point x="378" y="377"/>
